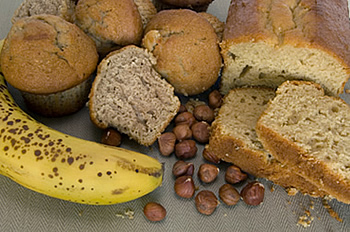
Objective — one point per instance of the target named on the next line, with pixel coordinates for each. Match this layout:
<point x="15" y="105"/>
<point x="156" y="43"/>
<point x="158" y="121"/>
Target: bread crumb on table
<point x="331" y="211"/>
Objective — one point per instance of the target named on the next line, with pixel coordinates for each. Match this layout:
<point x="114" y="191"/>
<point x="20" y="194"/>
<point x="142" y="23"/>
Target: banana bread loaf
<point x="269" y="42"/>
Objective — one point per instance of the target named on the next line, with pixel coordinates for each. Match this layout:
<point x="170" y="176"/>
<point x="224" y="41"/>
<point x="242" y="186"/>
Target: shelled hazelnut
<point x="182" y="132"/>
<point x="154" y="211"/>
<point x="206" y="202"/>
<point x="184" y="186"/>
<point x="111" y="137"/>
<point x="186" y="149"/>
<point x="184" y="118"/>
<point x="215" y="99"/>
<point x="204" y="113"/>
<point x="207" y="173"/>
<point x="234" y="175"/>
<point x="183" y="168"/>
<point x="229" y="194"/>
<point x="210" y="156"/>
<point x="200" y="131"/>
<point x="166" y="143"/>
<point x="253" y="193"/>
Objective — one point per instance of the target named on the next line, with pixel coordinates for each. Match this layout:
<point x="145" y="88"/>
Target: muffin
<point x="51" y="61"/>
<point x="186" y="47"/>
<point x="111" y="24"/>
<point x="215" y="22"/>
<point x="62" y="8"/>
<point x="146" y="9"/>
<point x="196" y="5"/>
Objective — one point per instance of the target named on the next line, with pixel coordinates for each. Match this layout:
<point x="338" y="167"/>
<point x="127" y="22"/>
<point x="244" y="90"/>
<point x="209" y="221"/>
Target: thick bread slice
<point x="128" y="94"/>
<point x="233" y="139"/>
<point x="268" y="42"/>
<point x="310" y="132"/>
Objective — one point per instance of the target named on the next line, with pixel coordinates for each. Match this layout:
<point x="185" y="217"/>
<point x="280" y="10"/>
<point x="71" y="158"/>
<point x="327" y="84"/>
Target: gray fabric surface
<point x="24" y="210"/>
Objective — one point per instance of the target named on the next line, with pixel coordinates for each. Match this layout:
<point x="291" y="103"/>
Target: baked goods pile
<point x="148" y="58"/>
<point x="298" y="138"/>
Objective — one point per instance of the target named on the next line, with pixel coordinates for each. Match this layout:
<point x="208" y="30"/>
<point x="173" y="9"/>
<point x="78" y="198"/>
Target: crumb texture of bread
<point x="128" y="94"/>
<point x="268" y="42"/>
<point x="234" y="139"/>
<point x="146" y="9"/>
<point x="111" y="24"/>
<point x="310" y="131"/>
<point x="62" y="8"/>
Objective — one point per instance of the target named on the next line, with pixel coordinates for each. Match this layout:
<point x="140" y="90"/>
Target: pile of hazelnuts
<point x="190" y="128"/>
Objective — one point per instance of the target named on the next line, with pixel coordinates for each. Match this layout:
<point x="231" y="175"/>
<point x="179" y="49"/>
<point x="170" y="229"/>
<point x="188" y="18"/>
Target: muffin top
<point x="186" y="47"/>
<point x="110" y="22"/>
<point x="45" y="54"/>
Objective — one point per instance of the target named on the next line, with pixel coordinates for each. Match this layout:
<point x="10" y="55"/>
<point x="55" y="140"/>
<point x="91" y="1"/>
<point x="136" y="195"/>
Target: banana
<point x="65" y="167"/>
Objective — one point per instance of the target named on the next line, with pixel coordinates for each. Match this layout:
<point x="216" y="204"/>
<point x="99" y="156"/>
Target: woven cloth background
<point x="24" y="210"/>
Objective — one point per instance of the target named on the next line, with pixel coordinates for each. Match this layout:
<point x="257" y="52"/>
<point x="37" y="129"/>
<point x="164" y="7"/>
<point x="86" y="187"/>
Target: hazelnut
<point x="185" y="118"/>
<point x="182" y="168"/>
<point x="184" y="186"/>
<point x="182" y="109"/>
<point x="210" y="156"/>
<point x="215" y="99"/>
<point x="154" y="211"/>
<point x="229" y="194"/>
<point x="182" y="132"/>
<point x="111" y="137"/>
<point x="234" y="175"/>
<point x="253" y="193"/>
<point x="200" y="131"/>
<point x="166" y="143"/>
<point x="186" y="149"/>
<point x="207" y="173"/>
<point x="203" y="113"/>
<point x="206" y="202"/>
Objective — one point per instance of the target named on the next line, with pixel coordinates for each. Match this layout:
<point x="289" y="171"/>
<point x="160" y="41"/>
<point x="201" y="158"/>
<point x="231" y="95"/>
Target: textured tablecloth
<point x="24" y="210"/>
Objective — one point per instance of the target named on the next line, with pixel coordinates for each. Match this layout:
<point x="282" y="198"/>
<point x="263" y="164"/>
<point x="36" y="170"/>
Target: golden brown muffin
<point x="111" y="24"/>
<point x="215" y="22"/>
<point x="186" y="47"/>
<point x="50" y="61"/>
<point x="146" y="9"/>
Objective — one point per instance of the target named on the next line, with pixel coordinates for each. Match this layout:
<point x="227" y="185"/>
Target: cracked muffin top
<point x="186" y="47"/>
<point x="45" y="54"/>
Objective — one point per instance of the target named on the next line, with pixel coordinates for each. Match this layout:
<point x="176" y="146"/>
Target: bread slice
<point x="310" y="132"/>
<point x="129" y="95"/>
<point x="268" y="42"/>
<point x="233" y="139"/>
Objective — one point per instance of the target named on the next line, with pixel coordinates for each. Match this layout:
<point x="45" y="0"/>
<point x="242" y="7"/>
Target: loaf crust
<point x="316" y="153"/>
<point x="267" y="42"/>
<point x="233" y="140"/>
